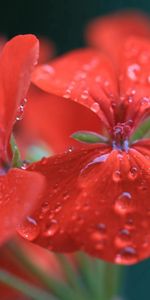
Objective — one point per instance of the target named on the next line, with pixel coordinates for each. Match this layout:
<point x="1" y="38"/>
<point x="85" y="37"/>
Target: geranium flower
<point x="97" y="198"/>
<point x="19" y="189"/>
<point x="109" y="32"/>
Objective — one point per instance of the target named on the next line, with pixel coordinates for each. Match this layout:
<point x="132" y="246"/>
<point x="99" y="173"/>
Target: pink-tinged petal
<point x="109" y="32"/>
<point x="17" y="60"/>
<point x="135" y="80"/>
<point x="97" y="200"/>
<point x="85" y="76"/>
<point x="52" y="120"/>
<point x="19" y="195"/>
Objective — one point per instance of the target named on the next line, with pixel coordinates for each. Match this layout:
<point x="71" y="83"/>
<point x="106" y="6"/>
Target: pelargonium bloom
<point x="109" y="32"/>
<point x="97" y="198"/>
<point x="19" y="189"/>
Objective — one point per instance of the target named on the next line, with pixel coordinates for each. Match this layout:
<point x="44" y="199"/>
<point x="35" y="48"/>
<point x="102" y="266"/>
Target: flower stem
<point x="58" y="288"/>
<point x="23" y="287"/>
<point x="16" y="160"/>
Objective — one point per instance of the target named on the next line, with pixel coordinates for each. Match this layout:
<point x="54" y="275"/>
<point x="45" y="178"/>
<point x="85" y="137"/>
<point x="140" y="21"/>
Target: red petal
<point x="135" y="79"/>
<point x="109" y="32"/>
<point x="52" y="120"/>
<point x="19" y="193"/>
<point x="17" y="60"/>
<point x="85" y="76"/>
<point x="46" y="50"/>
<point x="96" y="201"/>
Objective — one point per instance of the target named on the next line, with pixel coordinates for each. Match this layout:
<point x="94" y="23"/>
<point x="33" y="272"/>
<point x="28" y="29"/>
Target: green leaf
<point x="89" y="137"/>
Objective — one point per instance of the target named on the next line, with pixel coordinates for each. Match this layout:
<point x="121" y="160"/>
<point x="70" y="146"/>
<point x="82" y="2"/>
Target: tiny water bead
<point x="133" y="173"/>
<point x="123" y="203"/>
<point x="116" y="176"/>
<point x="133" y="71"/>
<point x="123" y="238"/>
<point x="20" y="110"/>
<point x="52" y="229"/>
<point x="126" y="255"/>
<point x="29" y="229"/>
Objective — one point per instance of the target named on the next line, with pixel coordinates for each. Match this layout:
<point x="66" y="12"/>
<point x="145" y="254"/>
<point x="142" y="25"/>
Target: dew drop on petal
<point x="29" y="229"/>
<point x="126" y="255"/>
<point x="85" y="95"/>
<point x="145" y="101"/>
<point x="116" y="176"/>
<point x="122" y="204"/>
<point x="51" y="229"/>
<point x="20" y="110"/>
<point x="132" y="71"/>
<point x="133" y="173"/>
<point x="95" y="107"/>
<point x="123" y="237"/>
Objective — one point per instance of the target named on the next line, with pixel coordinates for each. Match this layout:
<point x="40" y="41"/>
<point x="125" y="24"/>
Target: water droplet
<point x="123" y="238"/>
<point x="132" y="71"/>
<point x="85" y="95"/>
<point x="123" y="203"/>
<point x="58" y="208"/>
<point x="45" y="207"/>
<point x="51" y="229"/>
<point x="116" y="176"/>
<point x="95" y="107"/>
<point x="66" y="196"/>
<point x="67" y="94"/>
<point x="20" y="110"/>
<point x="127" y="255"/>
<point x="145" y="101"/>
<point x="102" y="227"/>
<point x="129" y="223"/>
<point x="96" y="236"/>
<point x="29" y="229"/>
<point x="133" y="173"/>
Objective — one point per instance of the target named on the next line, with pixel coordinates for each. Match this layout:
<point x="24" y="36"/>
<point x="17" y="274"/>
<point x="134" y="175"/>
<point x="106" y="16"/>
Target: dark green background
<point x="63" y="21"/>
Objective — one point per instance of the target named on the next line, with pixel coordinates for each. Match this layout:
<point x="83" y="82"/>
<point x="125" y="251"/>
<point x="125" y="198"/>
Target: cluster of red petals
<point x="97" y="198"/>
<point x="19" y="189"/>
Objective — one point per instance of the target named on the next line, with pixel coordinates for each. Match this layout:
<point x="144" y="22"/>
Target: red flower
<point x="19" y="189"/>
<point x="109" y="32"/>
<point x="97" y="199"/>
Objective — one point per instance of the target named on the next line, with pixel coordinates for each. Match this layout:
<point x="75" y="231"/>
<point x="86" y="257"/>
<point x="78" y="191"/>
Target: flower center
<point x="120" y="136"/>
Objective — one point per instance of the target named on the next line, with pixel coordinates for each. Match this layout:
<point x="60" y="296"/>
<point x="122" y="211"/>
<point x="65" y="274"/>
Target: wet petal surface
<point x="19" y="194"/>
<point x="17" y="60"/>
<point x="97" y="201"/>
<point x="89" y="80"/>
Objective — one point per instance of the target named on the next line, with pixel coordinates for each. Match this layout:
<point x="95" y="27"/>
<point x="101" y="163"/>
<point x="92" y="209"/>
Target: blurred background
<point x="63" y="21"/>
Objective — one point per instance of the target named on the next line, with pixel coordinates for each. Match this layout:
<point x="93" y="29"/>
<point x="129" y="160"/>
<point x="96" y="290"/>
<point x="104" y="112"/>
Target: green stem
<point x="112" y="280"/>
<point x="101" y="279"/>
<point x="57" y="287"/>
<point x="16" y="160"/>
<point x="72" y="276"/>
<point x="23" y="287"/>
